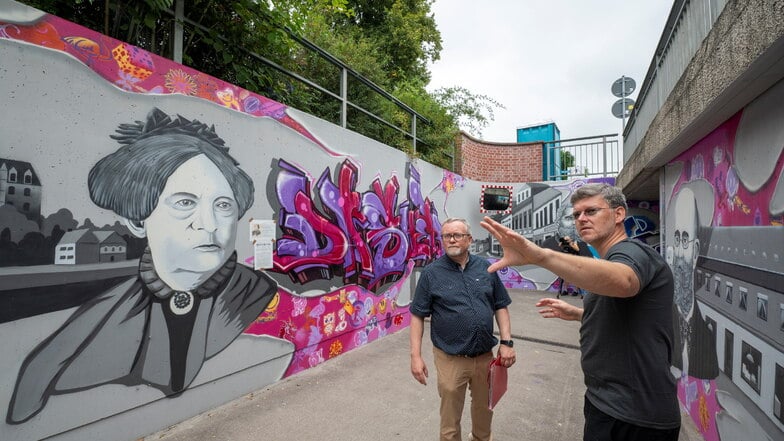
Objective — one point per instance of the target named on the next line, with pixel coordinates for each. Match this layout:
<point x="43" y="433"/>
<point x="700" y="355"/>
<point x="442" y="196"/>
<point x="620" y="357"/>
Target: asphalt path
<point x="369" y="393"/>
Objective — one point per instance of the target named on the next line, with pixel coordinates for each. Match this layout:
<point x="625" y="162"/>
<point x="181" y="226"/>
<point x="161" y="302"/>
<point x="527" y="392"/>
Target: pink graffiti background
<point x="712" y="159"/>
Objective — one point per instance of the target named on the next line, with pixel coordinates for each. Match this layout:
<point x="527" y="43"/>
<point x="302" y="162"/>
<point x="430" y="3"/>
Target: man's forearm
<point x="417" y="330"/>
<point x="504" y="323"/>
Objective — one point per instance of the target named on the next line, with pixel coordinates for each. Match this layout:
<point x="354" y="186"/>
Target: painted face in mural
<point x="566" y="223"/>
<point x="192" y="230"/>
<point x="456" y="238"/>
<point x="685" y="250"/>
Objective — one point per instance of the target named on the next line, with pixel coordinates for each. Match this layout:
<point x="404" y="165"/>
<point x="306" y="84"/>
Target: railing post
<point x="179" y="15"/>
<point x="547" y="175"/>
<point x="343" y="96"/>
<point x="413" y="133"/>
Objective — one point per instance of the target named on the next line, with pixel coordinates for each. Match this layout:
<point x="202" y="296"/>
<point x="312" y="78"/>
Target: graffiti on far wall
<point x="724" y="243"/>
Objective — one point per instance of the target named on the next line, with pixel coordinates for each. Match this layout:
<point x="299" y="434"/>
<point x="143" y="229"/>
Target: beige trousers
<point x="455" y="373"/>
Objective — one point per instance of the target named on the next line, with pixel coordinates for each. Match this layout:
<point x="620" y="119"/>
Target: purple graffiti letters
<point x="365" y="237"/>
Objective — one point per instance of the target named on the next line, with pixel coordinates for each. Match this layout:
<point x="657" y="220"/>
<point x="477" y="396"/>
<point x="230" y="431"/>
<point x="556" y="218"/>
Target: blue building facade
<point x="547" y="133"/>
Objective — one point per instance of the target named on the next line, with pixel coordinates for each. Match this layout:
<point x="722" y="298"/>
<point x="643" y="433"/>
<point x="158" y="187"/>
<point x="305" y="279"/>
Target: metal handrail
<point x="179" y="16"/>
<point x="602" y="153"/>
<point x="668" y="33"/>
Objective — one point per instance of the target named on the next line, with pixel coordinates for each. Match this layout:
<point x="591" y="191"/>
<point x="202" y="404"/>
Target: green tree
<point x="404" y="32"/>
<point x="473" y="112"/>
<point x="389" y="42"/>
<point x="567" y="160"/>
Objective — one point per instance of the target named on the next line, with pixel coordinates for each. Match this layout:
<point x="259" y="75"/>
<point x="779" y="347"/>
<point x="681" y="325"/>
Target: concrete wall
<point x="738" y="60"/>
<point x="198" y="310"/>
<point x="723" y="201"/>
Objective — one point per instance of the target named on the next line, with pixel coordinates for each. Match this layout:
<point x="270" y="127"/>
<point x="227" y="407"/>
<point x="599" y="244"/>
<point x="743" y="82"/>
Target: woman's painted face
<point x="192" y="230"/>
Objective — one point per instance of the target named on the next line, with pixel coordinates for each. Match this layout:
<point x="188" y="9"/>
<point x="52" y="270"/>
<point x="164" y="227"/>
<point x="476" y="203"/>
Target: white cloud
<point x="547" y="60"/>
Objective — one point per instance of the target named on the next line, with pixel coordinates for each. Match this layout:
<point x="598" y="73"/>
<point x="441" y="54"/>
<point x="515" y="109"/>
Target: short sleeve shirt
<point x="626" y="344"/>
<point x="461" y="304"/>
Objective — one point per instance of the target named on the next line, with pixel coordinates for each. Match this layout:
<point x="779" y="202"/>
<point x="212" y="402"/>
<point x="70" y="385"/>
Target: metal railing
<point x="592" y="156"/>
<point x="344" y="71"/>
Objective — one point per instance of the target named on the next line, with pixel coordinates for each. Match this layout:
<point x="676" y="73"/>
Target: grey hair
<point x="130" y="180"/>
<point x="460" y="220"/>
<point x="611" y="194"/>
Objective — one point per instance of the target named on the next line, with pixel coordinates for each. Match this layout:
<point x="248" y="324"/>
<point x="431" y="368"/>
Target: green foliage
<point x="436" y="139"/>
<point x="473" y="112"/>
<point x="567" y="160"/>
<point x="389" y="42"/>
<point x="405" y="34"/>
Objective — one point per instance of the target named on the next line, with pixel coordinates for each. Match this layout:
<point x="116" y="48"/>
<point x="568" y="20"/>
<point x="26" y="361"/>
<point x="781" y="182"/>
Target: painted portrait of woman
<point x="173" y="182"/>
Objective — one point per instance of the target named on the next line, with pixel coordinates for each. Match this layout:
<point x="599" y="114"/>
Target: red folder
<point x="497" y="379"/>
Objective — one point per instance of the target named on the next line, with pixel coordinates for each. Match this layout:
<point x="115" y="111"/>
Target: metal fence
<point x="593" y="156"/>
<point x="345" y="73"/>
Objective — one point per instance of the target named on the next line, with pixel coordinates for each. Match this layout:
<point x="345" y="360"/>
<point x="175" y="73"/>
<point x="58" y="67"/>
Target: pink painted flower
<point x="126" y="81"/>
<point x="178" y="81"/>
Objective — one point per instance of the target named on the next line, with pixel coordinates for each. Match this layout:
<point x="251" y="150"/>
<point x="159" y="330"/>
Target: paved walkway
<point x="369" y="394"/>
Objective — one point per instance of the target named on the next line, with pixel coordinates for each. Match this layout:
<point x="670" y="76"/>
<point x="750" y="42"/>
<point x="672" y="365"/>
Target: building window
<point x="62" y="248"/>
<point x="750" y="366"/>
<point x="762" y="307"/>
<point x="12" y="190"/>
<point x="71" y="247"/>
<point x="62" y="257"/>
<point x="718" y="287"/>
<point x="781" y="317"/>
<point x="728" y="297"/>
<point x="743" y="292"/>
<point x="12" y="176"/>
<point x="707" y="282"/>
<point x="70" y="257"/>
<point x="711" y="324"/>
<point x="778" y="393"/>
<point x="729" y="351"/>
<point x="28" y="177"/>
<point x="27" y="192"/>
<point x="26" y="206"/>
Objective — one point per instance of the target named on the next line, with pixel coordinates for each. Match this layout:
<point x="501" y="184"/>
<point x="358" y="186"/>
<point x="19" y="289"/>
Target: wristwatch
<point x="509" y="343"/>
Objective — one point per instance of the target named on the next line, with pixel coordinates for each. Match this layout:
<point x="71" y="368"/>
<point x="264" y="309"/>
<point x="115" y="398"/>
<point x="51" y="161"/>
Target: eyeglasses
<point x="682" y="239"/>
<point x="455" y="236"/>
<point x="590" y="212"/>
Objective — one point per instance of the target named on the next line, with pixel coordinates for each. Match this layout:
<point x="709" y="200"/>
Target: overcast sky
<point x="547" y="59"/>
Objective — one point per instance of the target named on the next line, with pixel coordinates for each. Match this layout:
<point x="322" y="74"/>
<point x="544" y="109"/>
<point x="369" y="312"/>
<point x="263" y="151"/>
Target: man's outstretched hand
<point x="517" y="249"/>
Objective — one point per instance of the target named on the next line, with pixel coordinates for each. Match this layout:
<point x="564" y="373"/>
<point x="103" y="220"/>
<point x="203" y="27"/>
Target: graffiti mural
<point x="173" y="182"/>
<point x="367" y="237"/>
<point x="724" y="242"/>
<point x="126" y="274"/>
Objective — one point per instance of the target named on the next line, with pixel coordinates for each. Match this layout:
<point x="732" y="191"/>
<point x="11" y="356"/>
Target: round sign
<point x="623" y="108"/>
<point x="623" y="86"/>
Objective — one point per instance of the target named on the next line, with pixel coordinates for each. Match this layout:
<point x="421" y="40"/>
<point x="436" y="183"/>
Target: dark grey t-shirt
<point x="462" y="304"/>
<point x="627" y="344"/>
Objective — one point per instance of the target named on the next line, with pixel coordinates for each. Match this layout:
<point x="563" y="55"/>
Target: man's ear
<point x="696" y="252"/>
<point x="137" y="228"/>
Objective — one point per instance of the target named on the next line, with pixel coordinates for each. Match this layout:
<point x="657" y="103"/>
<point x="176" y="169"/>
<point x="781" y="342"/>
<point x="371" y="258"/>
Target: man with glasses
<point x="461" y="298"/>
<point x="695" y="347"/>
<point x="626" y="335"/>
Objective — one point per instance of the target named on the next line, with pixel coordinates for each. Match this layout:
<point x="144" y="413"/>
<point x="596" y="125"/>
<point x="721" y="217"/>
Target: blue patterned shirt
<point x="461" y="304"/>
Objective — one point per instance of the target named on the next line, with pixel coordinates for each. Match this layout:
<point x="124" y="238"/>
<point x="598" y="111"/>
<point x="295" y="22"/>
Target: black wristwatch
<point x="509" y="343"/>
